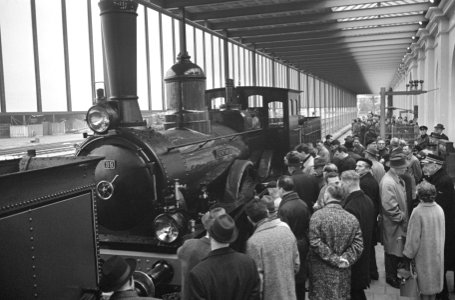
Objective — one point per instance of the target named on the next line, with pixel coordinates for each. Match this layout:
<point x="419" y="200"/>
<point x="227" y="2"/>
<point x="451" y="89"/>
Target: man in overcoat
<point x="224" y="274"/>
<point x="361" y="206"/>
<point x="194" y="250"/>
<point x="394" y="217"/>
<point x="296" y="214"/>
<point x="273" y="247"/>
<point x="437" y="175"/>
<point x="336" y="243"/>
<point x="370" y="187"/>
<point x="306" y="186"/>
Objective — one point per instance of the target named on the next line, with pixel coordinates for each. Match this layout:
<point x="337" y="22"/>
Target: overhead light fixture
<point x="414" y="38"/>
<point x="435" y="2"/>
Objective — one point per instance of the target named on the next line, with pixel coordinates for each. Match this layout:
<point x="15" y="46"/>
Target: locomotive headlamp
<point x="169" y="227"/>
<point x="102" y="117"/>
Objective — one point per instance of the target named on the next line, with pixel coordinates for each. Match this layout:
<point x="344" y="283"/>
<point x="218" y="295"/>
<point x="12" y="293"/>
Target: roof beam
<point x="320" y="17"/>
<point x="277" y="8"/>
<point x="332" y="25"/>
<point x="346" y="59"/>
<point x="335" y="33"/>
<point x="337" y="40"/>
<point x="340" y="55"/>
<point x="328" y="50"/>
<point x="342" y="44"/>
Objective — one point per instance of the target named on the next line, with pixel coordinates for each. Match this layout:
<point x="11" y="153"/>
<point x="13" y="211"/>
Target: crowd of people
<point x="316" y="228"/>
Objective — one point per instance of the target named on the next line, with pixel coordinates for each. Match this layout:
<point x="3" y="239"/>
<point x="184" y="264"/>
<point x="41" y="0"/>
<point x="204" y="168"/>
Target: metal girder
<point x="329" y="26"/>
<point x="342" y="60"/>
<point x="325" y="16"/>
<point x="338" y="40"/>
<point x="340" y="55"/>
<point x="335" y="33"/>
<point x="404" y="38"/>
<point x="345" y="48"/>
<point x="276" y="8"/>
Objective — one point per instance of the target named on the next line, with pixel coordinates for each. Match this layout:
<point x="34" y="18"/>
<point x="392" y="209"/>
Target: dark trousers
<point x="300" y="290"/>
<point x="373" y="266"/>
<point x="358" y="294"/>
<point x="391" y="265"/>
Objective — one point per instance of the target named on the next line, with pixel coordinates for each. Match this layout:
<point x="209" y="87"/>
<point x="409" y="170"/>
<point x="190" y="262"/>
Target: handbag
<point x="409" y="286"/>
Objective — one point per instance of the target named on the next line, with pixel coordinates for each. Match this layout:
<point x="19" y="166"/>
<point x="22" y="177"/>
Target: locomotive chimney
<point x="118" y="25"/>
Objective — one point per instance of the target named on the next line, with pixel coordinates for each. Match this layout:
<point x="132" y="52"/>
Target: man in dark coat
<point x="343" y="160"/>
<point x="423" y="140"/>
<point x="370" y="186"/>
<point x="117" y="277"/>
<point x="306" y="186"/>
<point x="296" y="214"/>
<point x="437" y="175"/>
<point x="361" y="206"/>
<point x="224" y="274"/>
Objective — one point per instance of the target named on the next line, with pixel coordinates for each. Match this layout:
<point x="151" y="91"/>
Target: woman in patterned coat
<point x="336" y="243"/>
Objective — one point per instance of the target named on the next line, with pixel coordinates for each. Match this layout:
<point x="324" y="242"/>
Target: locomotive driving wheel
<point x="240" y="182"/>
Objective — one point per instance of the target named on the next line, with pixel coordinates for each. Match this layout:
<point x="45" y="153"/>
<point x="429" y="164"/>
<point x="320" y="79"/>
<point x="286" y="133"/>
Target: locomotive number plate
<point x="109" y="164"/>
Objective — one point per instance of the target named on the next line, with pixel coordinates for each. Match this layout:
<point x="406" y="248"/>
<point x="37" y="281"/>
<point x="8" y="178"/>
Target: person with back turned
<point x="361" y="206"/>
<point x="117" y="277"/>
<point x="296" y="214"/>
<point x="274" y="249"/>
<point x="194" y="250"/>
<point x="224" y="274"/>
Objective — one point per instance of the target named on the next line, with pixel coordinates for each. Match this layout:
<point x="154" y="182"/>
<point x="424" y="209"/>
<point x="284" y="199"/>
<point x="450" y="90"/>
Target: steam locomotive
<point x="153" y="186"/>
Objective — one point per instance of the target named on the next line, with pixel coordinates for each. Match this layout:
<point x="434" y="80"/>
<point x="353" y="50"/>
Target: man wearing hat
<point x="224" y="273"/>
<point x="438" y="132"/>
<point x="423" y="140"/>
<point x="117" y="277"/>
<point x="194" y="250"/>
<point x="392" y="190"/>
<point x="377" y="169"/>
<point x="306" y="186"/>
<point x="436" y="174"/>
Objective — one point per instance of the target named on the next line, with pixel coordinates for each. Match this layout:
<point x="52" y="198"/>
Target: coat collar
<point x="221" y="251"/>
<point x="289" y="197"/>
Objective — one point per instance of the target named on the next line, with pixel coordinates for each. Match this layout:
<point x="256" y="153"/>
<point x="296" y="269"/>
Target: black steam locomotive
<point x="152" y="186"/>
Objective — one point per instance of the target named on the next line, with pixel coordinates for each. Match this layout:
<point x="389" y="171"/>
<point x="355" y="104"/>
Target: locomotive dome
<point x="184" y="68"/>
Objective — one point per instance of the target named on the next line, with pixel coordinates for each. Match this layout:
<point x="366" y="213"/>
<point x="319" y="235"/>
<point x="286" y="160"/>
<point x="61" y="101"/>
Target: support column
<point x="442" y="56"/>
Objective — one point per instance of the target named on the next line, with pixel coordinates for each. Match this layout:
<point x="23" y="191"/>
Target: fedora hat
<point x="439" y="126"/>
<point x="398" y="161"/>
<point x="115" y="272"/>
<point x="208" y="217"/>
<point x="223" y="229"/>
<point x="372" y="150"/>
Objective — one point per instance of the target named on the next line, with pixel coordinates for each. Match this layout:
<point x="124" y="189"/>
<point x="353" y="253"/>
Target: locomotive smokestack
<point x="118" y="26"/>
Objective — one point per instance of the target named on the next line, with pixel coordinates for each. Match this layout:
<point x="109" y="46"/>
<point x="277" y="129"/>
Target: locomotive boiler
<point x="152" y="186"/>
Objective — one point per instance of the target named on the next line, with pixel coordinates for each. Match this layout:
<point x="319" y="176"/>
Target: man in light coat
<point x="273" y="247"/>
<point x="394" y="217"/>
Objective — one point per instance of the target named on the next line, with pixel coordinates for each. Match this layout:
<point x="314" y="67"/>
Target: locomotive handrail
<point x="203" y="142"/>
